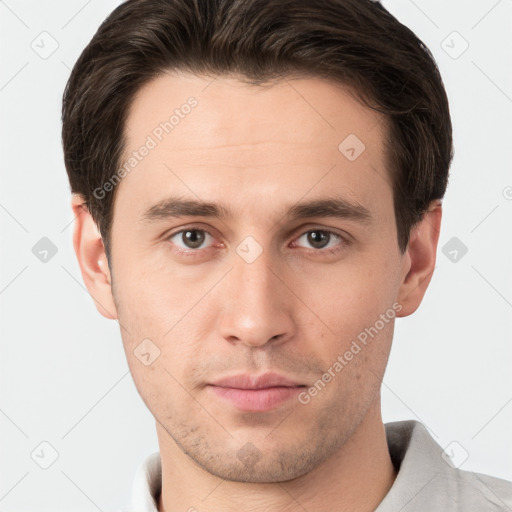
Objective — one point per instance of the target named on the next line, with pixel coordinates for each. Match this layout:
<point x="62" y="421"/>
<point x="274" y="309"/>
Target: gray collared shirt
<point x="426" y="479"/>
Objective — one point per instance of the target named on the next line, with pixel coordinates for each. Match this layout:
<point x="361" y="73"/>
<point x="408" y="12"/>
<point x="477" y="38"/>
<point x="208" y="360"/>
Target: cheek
<point x="354" y="340"/>
<point x="163" y="323"/>
<point x="158" y="300"/>
<point x="157" y="341"/>
<point x="350" y="296"/>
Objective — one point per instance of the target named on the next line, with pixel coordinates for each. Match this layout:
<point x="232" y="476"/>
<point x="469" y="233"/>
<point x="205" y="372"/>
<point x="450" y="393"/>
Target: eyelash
<point x="192" y="253"/>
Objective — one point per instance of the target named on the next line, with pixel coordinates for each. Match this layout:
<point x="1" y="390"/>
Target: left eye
<point x="320" y="239"/>
<point x="191" y="238"/>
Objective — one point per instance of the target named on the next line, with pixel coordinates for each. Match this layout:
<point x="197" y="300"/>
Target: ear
<point x="92" y="259"/>
<point x="419" y="260"/>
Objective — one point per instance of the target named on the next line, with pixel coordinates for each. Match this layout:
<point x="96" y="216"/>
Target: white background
<point x="64" y="377"/>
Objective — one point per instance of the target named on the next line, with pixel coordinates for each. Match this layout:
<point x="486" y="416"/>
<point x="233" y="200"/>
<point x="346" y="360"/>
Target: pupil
<point x="193" y="238"/>
<point x="318" y="239"/>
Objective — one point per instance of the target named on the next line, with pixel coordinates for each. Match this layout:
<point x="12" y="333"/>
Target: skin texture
<point x="293" y="310"/>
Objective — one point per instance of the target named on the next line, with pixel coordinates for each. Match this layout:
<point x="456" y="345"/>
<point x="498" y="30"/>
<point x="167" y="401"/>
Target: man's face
<point x="265" y="286"/>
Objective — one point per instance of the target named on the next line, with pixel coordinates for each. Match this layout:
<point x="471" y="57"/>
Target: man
<point x="257" y="188"/>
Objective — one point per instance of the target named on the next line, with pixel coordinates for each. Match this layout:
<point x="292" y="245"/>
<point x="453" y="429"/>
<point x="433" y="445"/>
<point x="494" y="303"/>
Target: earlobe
<point x="420" y="260"/>
<point x="90" y="252"/>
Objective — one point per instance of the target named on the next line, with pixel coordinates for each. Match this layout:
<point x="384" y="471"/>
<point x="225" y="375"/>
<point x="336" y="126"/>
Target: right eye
<point x="190" y="239"/>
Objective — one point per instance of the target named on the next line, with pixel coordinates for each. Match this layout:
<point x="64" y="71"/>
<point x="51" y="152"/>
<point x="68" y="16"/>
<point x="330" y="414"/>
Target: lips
<point x="247" y="381"/>
<point x="256" y="393"/>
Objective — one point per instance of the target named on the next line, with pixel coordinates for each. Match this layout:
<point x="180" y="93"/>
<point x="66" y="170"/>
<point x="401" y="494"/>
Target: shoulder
<point x="475" y="491"/>
<point x="487" y="490"/>
<point x="428" y="480"/>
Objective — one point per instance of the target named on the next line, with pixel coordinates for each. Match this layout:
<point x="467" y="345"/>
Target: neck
<point x="356" y="477"/>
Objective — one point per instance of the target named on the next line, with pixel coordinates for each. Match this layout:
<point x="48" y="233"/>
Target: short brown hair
<point x="354" y="42"/>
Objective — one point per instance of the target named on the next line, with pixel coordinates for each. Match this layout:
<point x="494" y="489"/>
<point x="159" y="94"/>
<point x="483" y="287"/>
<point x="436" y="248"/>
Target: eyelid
<point x="345" y="238"/>
<point x="308" y="227"/>
<point x="172" y="234"/>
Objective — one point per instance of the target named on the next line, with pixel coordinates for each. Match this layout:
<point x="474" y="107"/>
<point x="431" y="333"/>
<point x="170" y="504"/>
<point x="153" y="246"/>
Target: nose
<point x="258" y="305"/>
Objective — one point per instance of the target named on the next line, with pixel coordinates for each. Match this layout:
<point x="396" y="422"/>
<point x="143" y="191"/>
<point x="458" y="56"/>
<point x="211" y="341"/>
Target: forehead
<point x="306" y="107"/>
<point x="295" y="137"/>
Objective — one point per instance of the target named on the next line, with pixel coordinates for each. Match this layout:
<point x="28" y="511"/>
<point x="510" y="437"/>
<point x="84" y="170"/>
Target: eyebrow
<point x="175" y="207"/>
